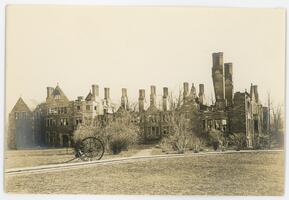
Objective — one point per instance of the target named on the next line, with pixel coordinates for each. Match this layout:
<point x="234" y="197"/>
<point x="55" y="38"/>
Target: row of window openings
<point x="155" y="130"/>
<point x="154" y="118"/>
<point x="21" y="115"/>
<point x="216" y="124"/>
<point x="87" y="107"/>
<point x="57" y="110"/>
<point x="62" y="122"/>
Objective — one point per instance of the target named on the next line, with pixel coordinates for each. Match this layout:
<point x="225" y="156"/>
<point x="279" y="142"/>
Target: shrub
<point x="216" y="139"/>
<point x="184" y="133"/>
<point x="121" y="133"/>
<point x="238" y="140"/>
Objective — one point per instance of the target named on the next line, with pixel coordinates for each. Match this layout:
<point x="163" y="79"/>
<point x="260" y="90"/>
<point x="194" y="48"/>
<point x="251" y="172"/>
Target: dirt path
<point x="143" y="152"/>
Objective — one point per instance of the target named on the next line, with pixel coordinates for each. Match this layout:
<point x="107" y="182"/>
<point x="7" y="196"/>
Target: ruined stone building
<point x="52" y="122"/>
<point x="239" y="112"/>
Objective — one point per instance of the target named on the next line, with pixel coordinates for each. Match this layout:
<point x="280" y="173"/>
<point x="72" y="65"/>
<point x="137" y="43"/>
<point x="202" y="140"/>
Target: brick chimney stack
<point x="255" y="87"/>
<point x="49" y="92"/>
<point x="153" y="96"/>
<point x="218" y="79"/>
<point x="95" y="91"/>
<point x="201" y="93"/>
<point x="141" y="100"/>
<point x="186" y="91"/>
<point x="165" y="98"/>
<point x="124" y="98"/>
<point x="106" y="94"/>
<point x="193" y="91"/>
<point x="228" y="67"/>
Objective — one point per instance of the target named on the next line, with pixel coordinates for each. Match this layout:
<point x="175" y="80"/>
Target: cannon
<point x="88" y="149"/>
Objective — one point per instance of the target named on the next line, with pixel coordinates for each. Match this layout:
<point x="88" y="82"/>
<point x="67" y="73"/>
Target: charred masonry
<point x="52" y="123"/>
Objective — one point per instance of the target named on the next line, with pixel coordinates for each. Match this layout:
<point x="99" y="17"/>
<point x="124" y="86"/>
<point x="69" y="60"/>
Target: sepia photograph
<point x="144" y="100"/>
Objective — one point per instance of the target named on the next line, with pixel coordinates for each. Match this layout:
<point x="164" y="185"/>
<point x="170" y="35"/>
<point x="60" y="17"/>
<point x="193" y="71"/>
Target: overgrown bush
<point x="216" y="139"/>
<point x="184" y="133"/>
<point x="117" y="135"/>
<point x="238" y="140"/>
<point x="121" y="133"/>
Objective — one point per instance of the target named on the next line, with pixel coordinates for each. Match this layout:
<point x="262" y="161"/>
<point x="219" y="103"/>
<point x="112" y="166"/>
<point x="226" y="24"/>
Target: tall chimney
<point x="165" y="98"/>
<point x="49" y="92"/>
<point x="124" y="99"/>
<point x="218" y="79"/>
<point x="193" y="91"/>
<point x="252" y="93"/>
<point x="229" y="83"/>
<point x="256" y="93"/>
<point x="186" y="90"/>
<point x="95" y="90"/>
<point x="153" y="96"/>
<point x="106" y="94"/>
<point x="141" y="100"/>
<point x="201" y="93"/>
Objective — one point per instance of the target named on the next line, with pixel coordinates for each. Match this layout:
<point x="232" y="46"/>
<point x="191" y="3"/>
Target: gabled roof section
<point x="152" y="109"/>
<point x="57" y="91"/>
<point x="89" y="97"/>
<point x="20" y="106"/>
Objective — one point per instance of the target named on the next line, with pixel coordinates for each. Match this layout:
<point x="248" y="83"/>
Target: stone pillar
<point x="153" y="96"/>
<point x="124" y="99"/>
<point x="141" y="100"/>
<point x="229" y="83"/>
<point x="165" y="98"/>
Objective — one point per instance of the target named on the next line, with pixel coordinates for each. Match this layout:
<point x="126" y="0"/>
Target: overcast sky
<point x="135" y="47"/>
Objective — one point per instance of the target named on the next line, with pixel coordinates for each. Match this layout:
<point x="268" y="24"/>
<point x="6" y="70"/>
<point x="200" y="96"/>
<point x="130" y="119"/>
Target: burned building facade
<point x="52" y="122"/>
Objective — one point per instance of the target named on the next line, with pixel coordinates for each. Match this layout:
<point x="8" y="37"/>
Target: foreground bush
<point x="121" y="133"/>
<point x="216" y="139"/>
<point x="238" y="140"/>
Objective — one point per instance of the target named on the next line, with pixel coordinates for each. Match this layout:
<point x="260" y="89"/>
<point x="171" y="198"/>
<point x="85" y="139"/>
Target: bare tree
<point x="276" y="125"/>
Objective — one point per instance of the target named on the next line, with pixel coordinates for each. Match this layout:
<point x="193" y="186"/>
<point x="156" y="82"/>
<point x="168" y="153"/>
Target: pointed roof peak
<point x="21" y="106"/>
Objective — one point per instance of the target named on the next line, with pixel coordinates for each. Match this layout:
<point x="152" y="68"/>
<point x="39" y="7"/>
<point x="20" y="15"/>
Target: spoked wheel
<point x="91" y="148"/>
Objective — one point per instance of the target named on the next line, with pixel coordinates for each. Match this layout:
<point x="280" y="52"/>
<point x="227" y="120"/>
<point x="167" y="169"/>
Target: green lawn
<point x="257" y="173"/>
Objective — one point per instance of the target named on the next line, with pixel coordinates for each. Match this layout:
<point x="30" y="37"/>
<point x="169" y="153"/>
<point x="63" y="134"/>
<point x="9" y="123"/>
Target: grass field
<point x="30" y="158"/>
<point x="257" y="173"/>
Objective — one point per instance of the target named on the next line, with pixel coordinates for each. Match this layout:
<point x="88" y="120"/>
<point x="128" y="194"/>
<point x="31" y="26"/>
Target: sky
<point x="135" y="47"/>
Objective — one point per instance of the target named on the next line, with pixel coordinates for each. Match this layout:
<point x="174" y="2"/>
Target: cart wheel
<point x="91" y="148"/>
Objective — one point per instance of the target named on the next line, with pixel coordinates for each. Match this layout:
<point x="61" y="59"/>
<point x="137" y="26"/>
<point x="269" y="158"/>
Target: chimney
<point x="141" y="100"/>
<point x="165" y="98"/>
<point x="256" y="94"/>
<point x="228" y="67"/>
<point x="193" y="91"/>
<point x="95" y="90"/>
<point x="79" y="98"/>
<point x="201" y="93"/>
<point x="252" y="93"/>
<point x="106" y="94"/>
<point x="186" y="90"/>
<point x="49" y="92"/>
<point x="153" y="96"/>
<point x="218" y="77"/>
<point x="124" y="99"/>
